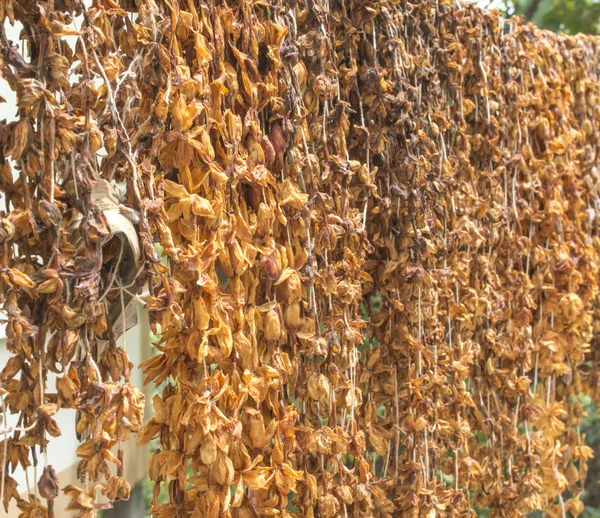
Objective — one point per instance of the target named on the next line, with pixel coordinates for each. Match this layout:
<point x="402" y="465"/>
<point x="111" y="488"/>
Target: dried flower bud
<point x="117" y="489"/>
<point x="208" y="450"/>
<point x="292" y="314"/>
<point x="272" y="325"/>
<point x="277" y="138"/>
<point x="110" y="141"/>
<point x="7" y="230"/>
<point x="222" y="470"/>
<point x="48" y="483"/>
<point x="318" y="387"/>
<point x="268" y="264"/>
<point x="49" y="213"/>
<point x="543" y="129"/>
<point x="269" y="151"/>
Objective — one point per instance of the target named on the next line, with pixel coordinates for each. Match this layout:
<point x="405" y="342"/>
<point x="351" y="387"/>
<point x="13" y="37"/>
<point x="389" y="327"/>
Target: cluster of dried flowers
<point x="378" y="223"/>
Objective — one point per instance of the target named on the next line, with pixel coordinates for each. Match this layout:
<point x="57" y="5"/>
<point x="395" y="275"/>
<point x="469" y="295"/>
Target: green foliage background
<point x="568" y="16"/>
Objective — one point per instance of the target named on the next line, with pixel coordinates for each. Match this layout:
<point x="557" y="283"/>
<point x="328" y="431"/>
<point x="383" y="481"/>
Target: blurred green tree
<point x="568" y="16"/>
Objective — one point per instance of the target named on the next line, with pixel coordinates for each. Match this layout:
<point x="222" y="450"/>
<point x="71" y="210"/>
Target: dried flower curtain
<point x="366" y="233"/>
